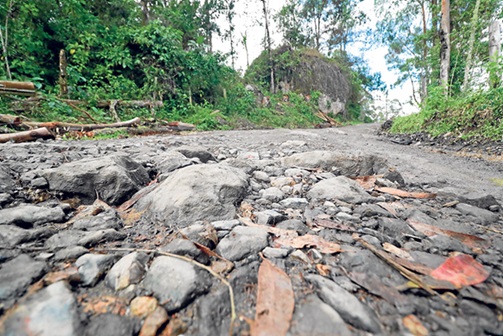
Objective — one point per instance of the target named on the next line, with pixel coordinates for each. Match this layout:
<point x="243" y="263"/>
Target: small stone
<point x="225" y="225"/>
<point x="394" y="176"/>
<point x="261" y="176"/>
<point x="44" y="256"/>
<point x="71" y="252"/>
<point x="346" y="217"/>
<point x="94" y="237"/>
<point x="269" y="217"/>
<point x="272" y="194"/>
<point x="93" y="266"/>
<point x="242" y="242"/>
<point x="185" y="247"/>
<point x="313" y="317"/>
<point x="108" y="219"/>
<point x="142" y="306"/>
<point x="153" y="322"/>
<point x="293" y="224"/>
<point x="348" y="306"/>
<point x="201" y="234"/>
<point x="494" y="208"/>
<point x="279" y="253"/>
<point x="110" y="325"/>
<point x="128" y="270"/>
<point x="65" y="239"/>
<point x="340" y="188"/>
<point x="182" y="285"/>
<point x="301" y="256"/>
<point x="17" y="274"/>
<point x="294" y="203"/>
<point x="280" y="182"/>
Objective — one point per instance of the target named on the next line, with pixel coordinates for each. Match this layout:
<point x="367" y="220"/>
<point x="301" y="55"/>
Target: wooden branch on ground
<point x="19" y="88"/>
<point x="81" y="127"/>
<point x="34" y="101"/>
<point x="40" y="133"/>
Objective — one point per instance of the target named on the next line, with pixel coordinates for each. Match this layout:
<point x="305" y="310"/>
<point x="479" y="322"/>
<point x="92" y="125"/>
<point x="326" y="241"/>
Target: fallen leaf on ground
<point x="415" y="326"/>
<point x="323" y="270"/>
<point x="275" y="301"/>
<point x="246" y="210"/>
<point x="392" y="207"/>
<point x="103" y="305"/>
<point x="471" y="241"/>
<point x="69" y="274"/>
<point x="367" y="182"/>
<point x="397" y="251"/>
<point x="131" y="216"/>
<point x="308" y="240"/>
<point x="405" y="194"/>
<point x="330" y="224"/>
<point x="461" y="270"/>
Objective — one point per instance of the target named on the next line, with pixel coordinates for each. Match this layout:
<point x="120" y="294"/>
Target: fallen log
<point x="81" y="127"/>
<point x="19" y="88"/>
<point x="32" y="135"/>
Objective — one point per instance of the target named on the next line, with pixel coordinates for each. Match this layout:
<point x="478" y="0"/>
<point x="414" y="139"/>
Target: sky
<point x="249" y="19"/>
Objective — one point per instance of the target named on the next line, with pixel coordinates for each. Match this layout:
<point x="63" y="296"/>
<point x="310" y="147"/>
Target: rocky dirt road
<point x="264" y="232"/>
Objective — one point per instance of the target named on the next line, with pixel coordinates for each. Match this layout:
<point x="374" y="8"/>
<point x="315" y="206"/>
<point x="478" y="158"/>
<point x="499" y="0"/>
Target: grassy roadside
<point x="474" y="115"/>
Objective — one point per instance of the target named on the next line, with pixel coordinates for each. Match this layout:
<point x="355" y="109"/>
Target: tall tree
<point x="4" y="37"/>
<point x="269" y="45"/>
<point x="445" y="44"/>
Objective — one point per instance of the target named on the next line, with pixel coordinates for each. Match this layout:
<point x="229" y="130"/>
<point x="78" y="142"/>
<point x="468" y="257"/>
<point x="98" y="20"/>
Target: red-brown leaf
<point x="275" y="301"/>
<point x="414" y="325"/>
<point x="461" y="270"/>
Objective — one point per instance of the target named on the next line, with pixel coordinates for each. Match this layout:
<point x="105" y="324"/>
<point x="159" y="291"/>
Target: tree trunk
<point x="4" y="37"/>
<point x="494" y="52"/>
<point x="269" y="47"/>
<point x="469" y="56"/>
<point x="424" y="73"/>
<point x="63" y="78"/>
<point x="445" y="45"/>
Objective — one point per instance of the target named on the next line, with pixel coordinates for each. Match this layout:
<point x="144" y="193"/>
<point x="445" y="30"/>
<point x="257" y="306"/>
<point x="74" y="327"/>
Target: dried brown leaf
<point x="397" y="251"/>
<point x="308" y="240"/>
<point x="415" y="326"/>
<point x="367" y="182"/>
<point x="323" y="270"/>
<point x="405" y="194"/>
<point x="275" y="301"/>
<point x="103" y="305"/>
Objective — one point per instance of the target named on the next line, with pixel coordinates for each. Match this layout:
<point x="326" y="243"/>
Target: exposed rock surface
<point x="139" y="261"/>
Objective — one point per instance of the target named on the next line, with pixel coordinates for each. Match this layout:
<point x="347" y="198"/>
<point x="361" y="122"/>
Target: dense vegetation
<point x="458" y="92"/>
<point x="130" y="50"/>
<point x="163" y="50"/>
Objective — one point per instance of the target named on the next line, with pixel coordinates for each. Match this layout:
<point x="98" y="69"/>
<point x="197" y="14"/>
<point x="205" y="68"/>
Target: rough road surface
<point x="265" y="232"/>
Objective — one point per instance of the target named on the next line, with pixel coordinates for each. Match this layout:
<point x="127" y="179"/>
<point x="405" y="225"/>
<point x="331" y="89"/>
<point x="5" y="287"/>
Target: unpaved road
<point x="436" y="169"/>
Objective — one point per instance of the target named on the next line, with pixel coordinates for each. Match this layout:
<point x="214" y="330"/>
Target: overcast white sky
<point x="249" y="22"/>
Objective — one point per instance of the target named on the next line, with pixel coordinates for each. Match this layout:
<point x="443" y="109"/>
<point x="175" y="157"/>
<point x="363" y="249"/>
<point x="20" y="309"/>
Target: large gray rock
<point x="175" y="282"/>
<point x="242" y="242"/>
<point x="16" y="275"/>
<point x="313" y="317"/>
<point x="29" y="215"/>
<point x="114" y="178"/>
<point x="348" y="306"/>
<point x="65" y="239"/>
<point x="345" y="165"/>
<point x="340" y="188"/>
<point x="200" y="192"/>
<point x="50" y="312"/>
